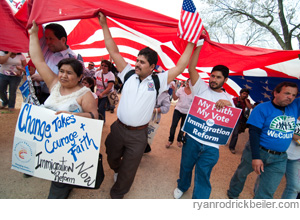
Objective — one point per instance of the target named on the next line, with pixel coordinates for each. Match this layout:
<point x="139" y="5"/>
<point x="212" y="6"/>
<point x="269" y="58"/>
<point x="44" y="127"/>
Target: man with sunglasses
<point x="90" y="70"/>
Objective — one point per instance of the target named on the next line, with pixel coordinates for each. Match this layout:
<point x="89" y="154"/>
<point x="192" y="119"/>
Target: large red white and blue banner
<point x="134" y="28"/>
<point x="209" y="124"/>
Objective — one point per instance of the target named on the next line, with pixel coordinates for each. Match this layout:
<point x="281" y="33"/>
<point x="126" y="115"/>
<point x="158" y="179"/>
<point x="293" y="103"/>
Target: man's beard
<point x="215" y="86"/>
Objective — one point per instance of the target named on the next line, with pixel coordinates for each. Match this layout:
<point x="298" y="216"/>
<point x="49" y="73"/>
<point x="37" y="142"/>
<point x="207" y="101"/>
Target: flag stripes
<point x="190" y="24"/>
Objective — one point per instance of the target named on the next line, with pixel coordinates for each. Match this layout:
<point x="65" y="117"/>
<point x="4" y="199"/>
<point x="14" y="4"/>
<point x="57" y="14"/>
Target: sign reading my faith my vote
<point x="209" y="124"/>
<point x="62" y="148"/>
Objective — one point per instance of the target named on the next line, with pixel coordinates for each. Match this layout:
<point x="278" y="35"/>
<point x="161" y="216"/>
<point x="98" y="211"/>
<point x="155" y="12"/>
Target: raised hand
<point x="34" y="29"/>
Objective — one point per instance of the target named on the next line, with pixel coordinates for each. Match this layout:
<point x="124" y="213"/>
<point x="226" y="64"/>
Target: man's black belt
<point x="271" y="151"/>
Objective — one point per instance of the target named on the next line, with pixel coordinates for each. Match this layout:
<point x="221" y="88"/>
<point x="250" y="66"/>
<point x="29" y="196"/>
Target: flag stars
<point x="266" y="95"/>
<point x="267" y="89"/>
<point x="248" y="87"/>
<point x="188" y="5"/>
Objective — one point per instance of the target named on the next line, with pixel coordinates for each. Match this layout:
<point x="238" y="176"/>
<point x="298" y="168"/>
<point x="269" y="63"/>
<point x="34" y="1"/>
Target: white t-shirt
<point x="10" y="67"/>
<point x="107" y="78"/>
<point x="184" y="101"/>
<point x="293" y="152"/>
<point x="139" y="97"/>
<point x="204" y="91"/>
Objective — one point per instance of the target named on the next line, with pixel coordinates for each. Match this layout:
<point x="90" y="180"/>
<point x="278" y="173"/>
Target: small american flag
<point x="190" y="24"/>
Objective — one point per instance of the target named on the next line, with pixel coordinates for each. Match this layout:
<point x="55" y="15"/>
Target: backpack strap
<point x="126" y="77"/>
<point x="156" y="84"/>
<point x="154" y="77"/>
<point x="78" y="57"/>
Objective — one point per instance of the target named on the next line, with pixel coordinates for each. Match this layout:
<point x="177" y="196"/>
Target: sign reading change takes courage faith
<point x="209" y="124"/>
<point x="62" y="148"/>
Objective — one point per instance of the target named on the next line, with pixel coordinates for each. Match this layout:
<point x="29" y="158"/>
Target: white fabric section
<point x="290" y="67"/>
<point x="255" y="72"/>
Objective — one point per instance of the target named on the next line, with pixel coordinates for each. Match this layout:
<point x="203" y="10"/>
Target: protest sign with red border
<point x="206" y="123"/>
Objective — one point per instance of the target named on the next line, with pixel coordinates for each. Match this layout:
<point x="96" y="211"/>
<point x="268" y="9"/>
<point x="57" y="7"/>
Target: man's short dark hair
<point x="150" y="55"/>
<point x="245" y="90"/>
<point x="74" y="63"/>
<point x="223" y="69"/>
<point x="284" y="84"/>
<point x="58" y="30"/>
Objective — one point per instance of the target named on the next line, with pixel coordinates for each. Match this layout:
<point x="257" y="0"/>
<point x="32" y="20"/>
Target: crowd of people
<point x="60" y="73"/>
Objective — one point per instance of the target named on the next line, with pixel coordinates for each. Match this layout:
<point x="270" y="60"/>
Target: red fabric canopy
<point x="13" y="35"/>
<point x="44" y="11"/>
<point x="133" y="28"/>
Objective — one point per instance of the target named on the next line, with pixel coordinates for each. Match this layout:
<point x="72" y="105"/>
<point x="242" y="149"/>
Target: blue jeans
<point x="12" y="82"/>
<point x="177" y="115"/>
<point x="274" y="169"/>
<point x="101" y="106"/>
<point x="292" y="175"/>
<point x="205" y="158"/>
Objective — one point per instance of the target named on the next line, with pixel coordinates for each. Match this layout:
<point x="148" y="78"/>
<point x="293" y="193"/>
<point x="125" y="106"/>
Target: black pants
<point x="124" y="149"/>
<point x="234" y="136"/>
<point x="177" y="115"/>
<point x="239" y="128"/>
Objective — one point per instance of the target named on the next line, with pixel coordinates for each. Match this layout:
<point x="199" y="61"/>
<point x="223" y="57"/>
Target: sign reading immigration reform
<point x="58" y="147"/>
<point x="209" y="124"/>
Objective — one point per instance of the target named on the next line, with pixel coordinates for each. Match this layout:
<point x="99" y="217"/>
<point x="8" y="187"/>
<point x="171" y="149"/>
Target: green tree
<point x="256" y="21"/>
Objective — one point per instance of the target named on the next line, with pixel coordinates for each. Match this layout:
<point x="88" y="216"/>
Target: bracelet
<point x="92" y="115"/>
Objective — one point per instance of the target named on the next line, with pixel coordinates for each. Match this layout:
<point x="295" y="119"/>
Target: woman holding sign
<point x="67" y="94"/>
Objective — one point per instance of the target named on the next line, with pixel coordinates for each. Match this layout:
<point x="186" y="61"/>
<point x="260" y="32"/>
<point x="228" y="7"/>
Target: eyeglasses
<point x="104" y="65"/>
<point x="91" y="64"/>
